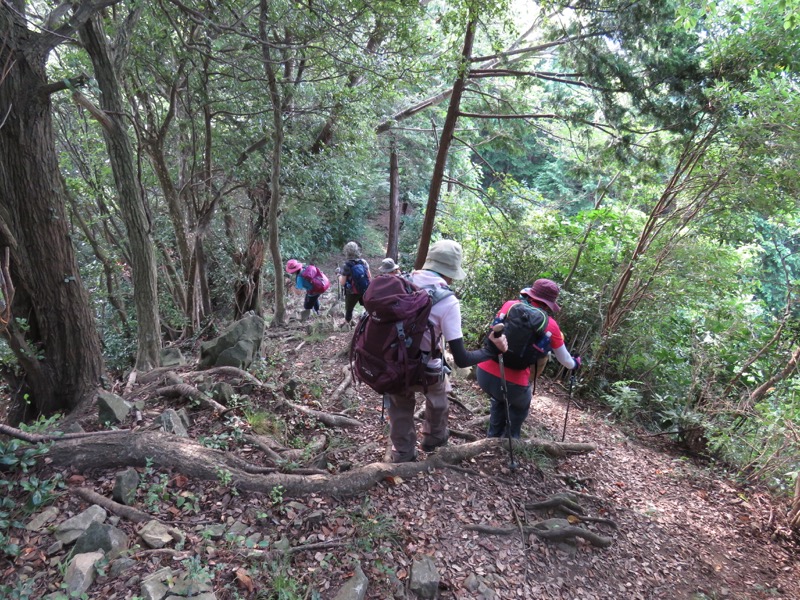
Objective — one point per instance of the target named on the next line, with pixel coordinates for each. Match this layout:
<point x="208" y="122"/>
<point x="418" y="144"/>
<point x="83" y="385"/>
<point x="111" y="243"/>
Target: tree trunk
<point x="394" y="205"/>
<point x="448" y="131"/>
<point x="134" y="211"/>
<point x="275" y="186"/>
<point x="52" y="332"/>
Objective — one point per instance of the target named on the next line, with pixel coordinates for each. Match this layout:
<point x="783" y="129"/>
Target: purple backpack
<point x="385" y="350"/>
<point x="319" y="283"/>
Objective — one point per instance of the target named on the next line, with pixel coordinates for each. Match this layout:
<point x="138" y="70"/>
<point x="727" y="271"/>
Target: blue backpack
<point x="358" y="279"/>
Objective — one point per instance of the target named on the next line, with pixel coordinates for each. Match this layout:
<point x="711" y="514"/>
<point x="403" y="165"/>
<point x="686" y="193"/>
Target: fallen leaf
<point x="245" y="580"/>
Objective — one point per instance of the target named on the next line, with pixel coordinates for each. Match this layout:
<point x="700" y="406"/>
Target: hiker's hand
<point x="501" y="343"/>
<point x="577" y="360"/>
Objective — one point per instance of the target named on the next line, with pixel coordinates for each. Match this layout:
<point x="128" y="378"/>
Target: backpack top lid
<point x="525" y="326"/>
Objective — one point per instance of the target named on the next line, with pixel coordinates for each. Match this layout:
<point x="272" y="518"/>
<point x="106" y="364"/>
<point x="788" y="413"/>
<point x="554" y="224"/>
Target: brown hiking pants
<point x="401" y="419"/>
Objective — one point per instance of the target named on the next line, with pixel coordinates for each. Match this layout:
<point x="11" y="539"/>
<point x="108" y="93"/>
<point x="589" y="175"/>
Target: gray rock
<point x="183" y="415"/>
<point x="355" y="588"/>
<point x="112" y="408"/>
<point x="185" y="586"/>
<point x="73" y="428"/>
<point x="155" y="534"/>
<point x="240" y="355"/>
<point x="424" y="578"/>
<point x="214" y="531"/>
<point x="282" y="544"/>
<point x="238" y="529"/>
<point x="166" y="585"/>
<point x="54" y="548"/>
<point x="172" y="357"/>
<point x="41" y="519"/>
<point x="171" y="423"/>
<point x="99" y="537"/>
<point x="125" y="485"/>
<point x="71" y="529"/>
<point x="154" y="586"/>
<point x="236" y="347"/>
<point x="471" y="582"/>
<point x="120" y="566"/>
<point x="222" y="392"/>
<point x="81" y="573"/>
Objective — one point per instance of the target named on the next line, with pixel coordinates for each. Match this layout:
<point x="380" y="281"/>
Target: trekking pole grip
<point x="497" y="330"/>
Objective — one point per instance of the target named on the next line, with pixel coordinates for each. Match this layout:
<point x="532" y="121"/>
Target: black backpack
<point x="525" y="328"/>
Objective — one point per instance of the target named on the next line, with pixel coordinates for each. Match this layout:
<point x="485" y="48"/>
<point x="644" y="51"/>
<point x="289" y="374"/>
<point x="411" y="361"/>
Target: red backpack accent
<point x="319" y="283"/>
<point x="385" y="350"/>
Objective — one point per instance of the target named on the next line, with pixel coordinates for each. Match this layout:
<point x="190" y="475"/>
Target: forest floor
<point x="684" y="527"/>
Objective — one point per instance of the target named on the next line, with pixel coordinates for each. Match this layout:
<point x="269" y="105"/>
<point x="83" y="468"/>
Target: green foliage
<point x="17" y="460"/>
<point x="624" y="399"/>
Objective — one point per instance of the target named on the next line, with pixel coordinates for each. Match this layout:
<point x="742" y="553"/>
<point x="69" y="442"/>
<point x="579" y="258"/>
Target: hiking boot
<point x="431" y="446"/>
<point x="396" y="458"/>
<point x="304" y="315"/>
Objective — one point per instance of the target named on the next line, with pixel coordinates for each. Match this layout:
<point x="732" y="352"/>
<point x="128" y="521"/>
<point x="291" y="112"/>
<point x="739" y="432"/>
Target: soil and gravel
<point x="680" y="526"/>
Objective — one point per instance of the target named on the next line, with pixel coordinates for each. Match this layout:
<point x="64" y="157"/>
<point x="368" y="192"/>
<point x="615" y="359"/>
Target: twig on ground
<point x="118" y="509"/>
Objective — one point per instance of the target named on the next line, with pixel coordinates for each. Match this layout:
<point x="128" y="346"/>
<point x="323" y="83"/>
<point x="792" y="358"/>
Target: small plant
<point x="624" y="399"/>
<point x="372" y="528"/>
<point x="276" y="495"/>
<point x="225" y="479"/>
<point x="264" y="423"/>
<point x="284" y="585"/>
<point x="188" y="502"/>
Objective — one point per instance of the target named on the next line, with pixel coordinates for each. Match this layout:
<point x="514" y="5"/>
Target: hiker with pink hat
<point x="312" y="281"/>
<point x="510" y="405"/>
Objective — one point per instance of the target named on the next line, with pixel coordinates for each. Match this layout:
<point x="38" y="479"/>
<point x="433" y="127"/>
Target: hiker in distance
<point x="389" y="267"/>
<point x="312" y="281"/>
<point x="354" y="277"/>
<point x="518" y="376"/>
<point x="442" y="266"/>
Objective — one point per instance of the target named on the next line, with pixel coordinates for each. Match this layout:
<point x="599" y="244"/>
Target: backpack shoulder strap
<point x="439" y="293"/>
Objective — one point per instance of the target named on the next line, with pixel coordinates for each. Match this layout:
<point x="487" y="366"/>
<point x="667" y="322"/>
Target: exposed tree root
<point x="329" y="419"/>
<point x="184" y="390"/>
<point x="554" y="530"/>
<point x="133" y="449"/>
<point x="567" y="503"/>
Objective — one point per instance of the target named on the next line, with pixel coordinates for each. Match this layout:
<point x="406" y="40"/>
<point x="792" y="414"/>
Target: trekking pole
<point x="569" y="401"/>
<point x="384" y="405"/>
<point x="497" y="332"/>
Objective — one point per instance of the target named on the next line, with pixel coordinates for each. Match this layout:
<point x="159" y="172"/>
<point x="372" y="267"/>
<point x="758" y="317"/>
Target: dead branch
<point x="110" y="505"/>
<point x="131" y="381"/>
<point x="348" y="379"/>
<point x="37" y="438"/>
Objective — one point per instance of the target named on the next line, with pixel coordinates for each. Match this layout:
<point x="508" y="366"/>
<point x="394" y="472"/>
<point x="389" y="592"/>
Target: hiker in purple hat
<point x="506" y="418"/>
